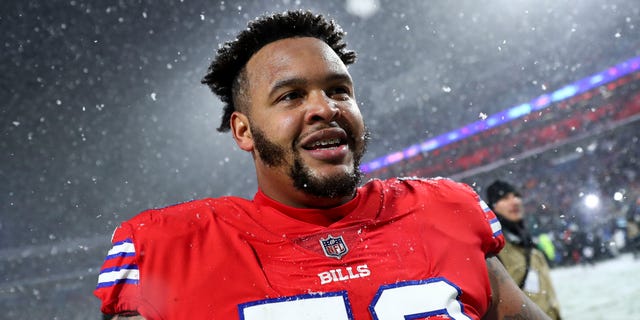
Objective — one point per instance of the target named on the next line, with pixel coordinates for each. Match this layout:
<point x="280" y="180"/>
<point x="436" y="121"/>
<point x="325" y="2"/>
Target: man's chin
<point x="332" y="171"/>
<point x="338" y="182"/>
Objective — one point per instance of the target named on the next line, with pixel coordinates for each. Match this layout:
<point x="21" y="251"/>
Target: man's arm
<point x="507" y="300"/>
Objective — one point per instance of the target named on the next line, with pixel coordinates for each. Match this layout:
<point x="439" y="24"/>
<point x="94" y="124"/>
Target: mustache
<point x="352" y="140"/>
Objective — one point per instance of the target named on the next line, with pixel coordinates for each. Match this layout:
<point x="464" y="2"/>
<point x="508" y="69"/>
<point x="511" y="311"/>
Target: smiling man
<point x="312" y="243"/>
<point x="302" y="123"/>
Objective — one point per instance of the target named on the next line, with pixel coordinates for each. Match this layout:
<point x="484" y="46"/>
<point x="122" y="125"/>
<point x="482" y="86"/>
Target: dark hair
<point x="234" y="55"/>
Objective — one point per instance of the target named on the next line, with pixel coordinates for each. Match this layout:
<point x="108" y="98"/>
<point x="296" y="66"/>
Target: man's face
<point x="306" y="129"/>
<point x="510" y="207"/>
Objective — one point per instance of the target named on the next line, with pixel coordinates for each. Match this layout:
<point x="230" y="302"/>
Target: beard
<point x="337" y="185"/>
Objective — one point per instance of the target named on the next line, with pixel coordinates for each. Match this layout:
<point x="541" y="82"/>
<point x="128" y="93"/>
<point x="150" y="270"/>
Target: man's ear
<point x="241" y="131"/>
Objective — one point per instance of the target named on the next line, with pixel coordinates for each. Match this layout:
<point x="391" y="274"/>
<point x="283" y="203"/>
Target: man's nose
<point x="321" y="108"/>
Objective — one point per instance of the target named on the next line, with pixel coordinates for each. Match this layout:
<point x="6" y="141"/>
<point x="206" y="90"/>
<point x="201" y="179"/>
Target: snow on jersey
<point x="406" y="248"/>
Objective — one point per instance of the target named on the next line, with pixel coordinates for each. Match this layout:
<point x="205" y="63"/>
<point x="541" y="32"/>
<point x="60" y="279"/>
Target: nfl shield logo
<point x="334" y="247"/>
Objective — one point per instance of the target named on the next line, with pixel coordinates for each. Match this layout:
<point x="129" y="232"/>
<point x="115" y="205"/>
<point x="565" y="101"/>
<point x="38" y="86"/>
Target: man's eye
<point x="339" y="93"/>
<point x="291" y="96"/>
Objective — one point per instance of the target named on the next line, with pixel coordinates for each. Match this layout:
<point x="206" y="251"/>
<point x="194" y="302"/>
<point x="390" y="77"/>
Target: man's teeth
<point x="323" y="143"/>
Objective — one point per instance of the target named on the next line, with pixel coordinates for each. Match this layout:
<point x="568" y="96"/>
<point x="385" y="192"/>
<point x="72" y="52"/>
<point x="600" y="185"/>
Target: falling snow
<point x="104" y="116"/>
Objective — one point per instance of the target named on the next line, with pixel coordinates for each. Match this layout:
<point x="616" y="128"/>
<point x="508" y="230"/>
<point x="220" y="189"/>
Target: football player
<point x="313" y="243"/>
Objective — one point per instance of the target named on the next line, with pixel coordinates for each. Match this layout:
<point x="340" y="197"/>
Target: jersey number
<point x="400" y="301"/>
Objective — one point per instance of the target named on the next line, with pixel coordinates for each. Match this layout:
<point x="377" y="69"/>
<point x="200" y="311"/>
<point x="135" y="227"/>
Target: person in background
<point x="526" y="264"/>
<point x="313" y="243"/>
<point x="633" y="237"/>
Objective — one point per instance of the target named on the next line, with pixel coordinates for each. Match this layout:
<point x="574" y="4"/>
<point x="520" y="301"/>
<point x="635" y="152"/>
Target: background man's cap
<point x="497" y="190"/>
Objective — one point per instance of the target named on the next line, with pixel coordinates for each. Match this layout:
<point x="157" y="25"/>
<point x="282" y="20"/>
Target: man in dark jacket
<point x="525" y="263"/>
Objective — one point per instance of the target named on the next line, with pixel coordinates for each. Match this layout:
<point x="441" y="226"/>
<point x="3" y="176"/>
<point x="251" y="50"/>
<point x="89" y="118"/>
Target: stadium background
<point x="103" y="116"/>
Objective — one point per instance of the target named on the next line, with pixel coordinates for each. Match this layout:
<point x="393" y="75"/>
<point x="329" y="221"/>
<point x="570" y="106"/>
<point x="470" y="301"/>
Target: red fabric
<point x="212" y="258"/>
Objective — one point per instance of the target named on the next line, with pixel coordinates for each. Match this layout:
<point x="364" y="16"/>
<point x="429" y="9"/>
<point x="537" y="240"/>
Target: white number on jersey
<point x="400" y="301"/>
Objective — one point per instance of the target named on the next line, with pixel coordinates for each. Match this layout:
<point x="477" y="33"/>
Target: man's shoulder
<point x="437" y="186"/>
<point x="413" y="180"/>
<point x="511" y="249"/>
<point x="193" y="213"/>
<point x="440" y="195"/>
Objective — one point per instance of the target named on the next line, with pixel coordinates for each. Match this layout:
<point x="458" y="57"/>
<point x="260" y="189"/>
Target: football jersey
<point x="403" y="249"/>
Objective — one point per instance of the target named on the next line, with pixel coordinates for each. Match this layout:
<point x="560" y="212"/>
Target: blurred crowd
<point x="586" y="207"/>
<point x="576" y="162"/>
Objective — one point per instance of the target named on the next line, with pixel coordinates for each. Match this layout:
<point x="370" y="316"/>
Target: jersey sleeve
<point x="492" y="237"/>
<point x="118" y="283"/>
<point x="482" y="224"/>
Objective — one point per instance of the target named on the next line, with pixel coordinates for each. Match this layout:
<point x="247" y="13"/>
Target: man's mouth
<point x="325" y="144"/>
<point x="329" y="144"/>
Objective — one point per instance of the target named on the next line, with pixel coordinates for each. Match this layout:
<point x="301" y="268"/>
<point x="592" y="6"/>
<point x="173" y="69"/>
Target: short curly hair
<point x="225" y="70"/>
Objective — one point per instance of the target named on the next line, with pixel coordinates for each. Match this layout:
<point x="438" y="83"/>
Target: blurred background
<point x="103" y="115"/>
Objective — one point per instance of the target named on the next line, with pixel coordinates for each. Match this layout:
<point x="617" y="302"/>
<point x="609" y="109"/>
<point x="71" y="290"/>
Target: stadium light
<point x="591" y="201"/>
<point x="362" y="8"/>
<point x="618" y="196"/>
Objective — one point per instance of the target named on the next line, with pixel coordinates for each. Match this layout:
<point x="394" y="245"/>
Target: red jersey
<point x="404" y="249"/>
